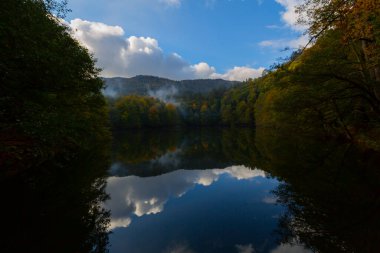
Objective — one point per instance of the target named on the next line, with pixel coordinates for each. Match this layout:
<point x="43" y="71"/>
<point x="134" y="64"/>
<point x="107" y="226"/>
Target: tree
<point x="138" y="111"/>
<point x="50" y="93"/>
<point x="172" y="114"/>
<point x="153" y="116"/>
<point x="358" y="22"/>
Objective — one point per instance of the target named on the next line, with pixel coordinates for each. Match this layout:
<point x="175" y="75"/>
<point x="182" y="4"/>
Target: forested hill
<point x="146" y="85"/>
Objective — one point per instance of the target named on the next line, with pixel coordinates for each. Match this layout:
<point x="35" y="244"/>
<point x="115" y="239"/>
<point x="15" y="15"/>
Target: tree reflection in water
<point x="330" y="190"/>
<point x="57" y="206"/>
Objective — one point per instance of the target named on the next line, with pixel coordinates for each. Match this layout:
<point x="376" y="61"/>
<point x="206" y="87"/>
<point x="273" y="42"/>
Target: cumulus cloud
<point x="202" y="70"/>
<point x="240" y="73"/>
<point x="136" y="196"/>
<point x="117" y="223"/>
<point x="120" y="55"/>
<point x="289" y="16"/>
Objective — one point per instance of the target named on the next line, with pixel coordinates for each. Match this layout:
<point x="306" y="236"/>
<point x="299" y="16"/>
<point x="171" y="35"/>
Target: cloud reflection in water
<point x="138" y="196"/>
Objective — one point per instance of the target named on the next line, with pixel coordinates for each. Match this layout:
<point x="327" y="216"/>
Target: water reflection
<point x="185" y="193"/>
<point x="330" y="191"/>
<point x="314" y="196"/>
<point x="214" y="190"/>
<point x="56" y="206"/>
<point x="214" y="210"/>
<point x="148" y="153"/>
<point x="138" y="196"/>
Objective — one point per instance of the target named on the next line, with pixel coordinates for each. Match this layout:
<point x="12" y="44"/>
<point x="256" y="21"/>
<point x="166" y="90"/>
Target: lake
<point x="228" y="190"/>
<point x="198" y="190"/>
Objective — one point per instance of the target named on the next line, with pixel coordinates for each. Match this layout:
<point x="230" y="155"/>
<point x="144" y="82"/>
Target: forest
<point x="50" y="94"/>
<point x="331" y="87"/>
<point x="52" y="102"/>
<point x="311" y="122"/>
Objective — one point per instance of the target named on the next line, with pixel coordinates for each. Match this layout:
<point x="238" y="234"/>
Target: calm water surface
<point x="218" y="191"/>
<point x="195" y="191"/>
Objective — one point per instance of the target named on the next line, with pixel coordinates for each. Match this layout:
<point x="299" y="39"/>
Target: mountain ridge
<point x="145" y="85"/>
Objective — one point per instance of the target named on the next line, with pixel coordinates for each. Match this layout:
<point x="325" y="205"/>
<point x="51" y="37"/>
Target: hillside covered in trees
<point x="53" y="127"/>
<point x="163" y="87"/>
<point x="329" y="88"/>
<point x="50" y="93"/>
<point x="221" y="107"/>
<point x="334" y="85"/>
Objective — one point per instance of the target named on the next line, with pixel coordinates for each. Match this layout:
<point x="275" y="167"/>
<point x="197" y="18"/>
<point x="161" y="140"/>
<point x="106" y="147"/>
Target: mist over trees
<point x="146" y="85"/>
<point x="220" y="107"/>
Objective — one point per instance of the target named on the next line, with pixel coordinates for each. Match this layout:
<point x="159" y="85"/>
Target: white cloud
<point x="240" y="73"/>
<point x="136" y="196"/>
<point x="117" y="223"/>
<point x="289" y="16"/>
<point x="124" y="56"/>
<point x="299" y="42"/>
<point x="202" y="70"/>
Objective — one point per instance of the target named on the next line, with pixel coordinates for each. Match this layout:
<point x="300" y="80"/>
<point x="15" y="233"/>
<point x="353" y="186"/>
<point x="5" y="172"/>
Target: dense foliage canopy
<point x="334" y="85"/>
<point x="50" y="93"/>
<point x="139" y="111"/>
<point x="222" y="107"/>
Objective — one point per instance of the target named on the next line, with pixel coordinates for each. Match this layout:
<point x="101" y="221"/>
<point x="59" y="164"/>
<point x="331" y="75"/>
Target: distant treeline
<point x="163" y="87"/>
<point x="138" y="111"/>
<point x="233" y="107"/>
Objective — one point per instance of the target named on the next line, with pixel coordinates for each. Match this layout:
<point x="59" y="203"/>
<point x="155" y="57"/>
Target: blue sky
<point x="186" y="39"/>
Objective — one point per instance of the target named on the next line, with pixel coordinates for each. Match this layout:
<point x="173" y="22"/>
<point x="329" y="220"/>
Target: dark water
<point x="194" y="191"/>
<point x="55" y="206"/>
<point x="215" y="190"/>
